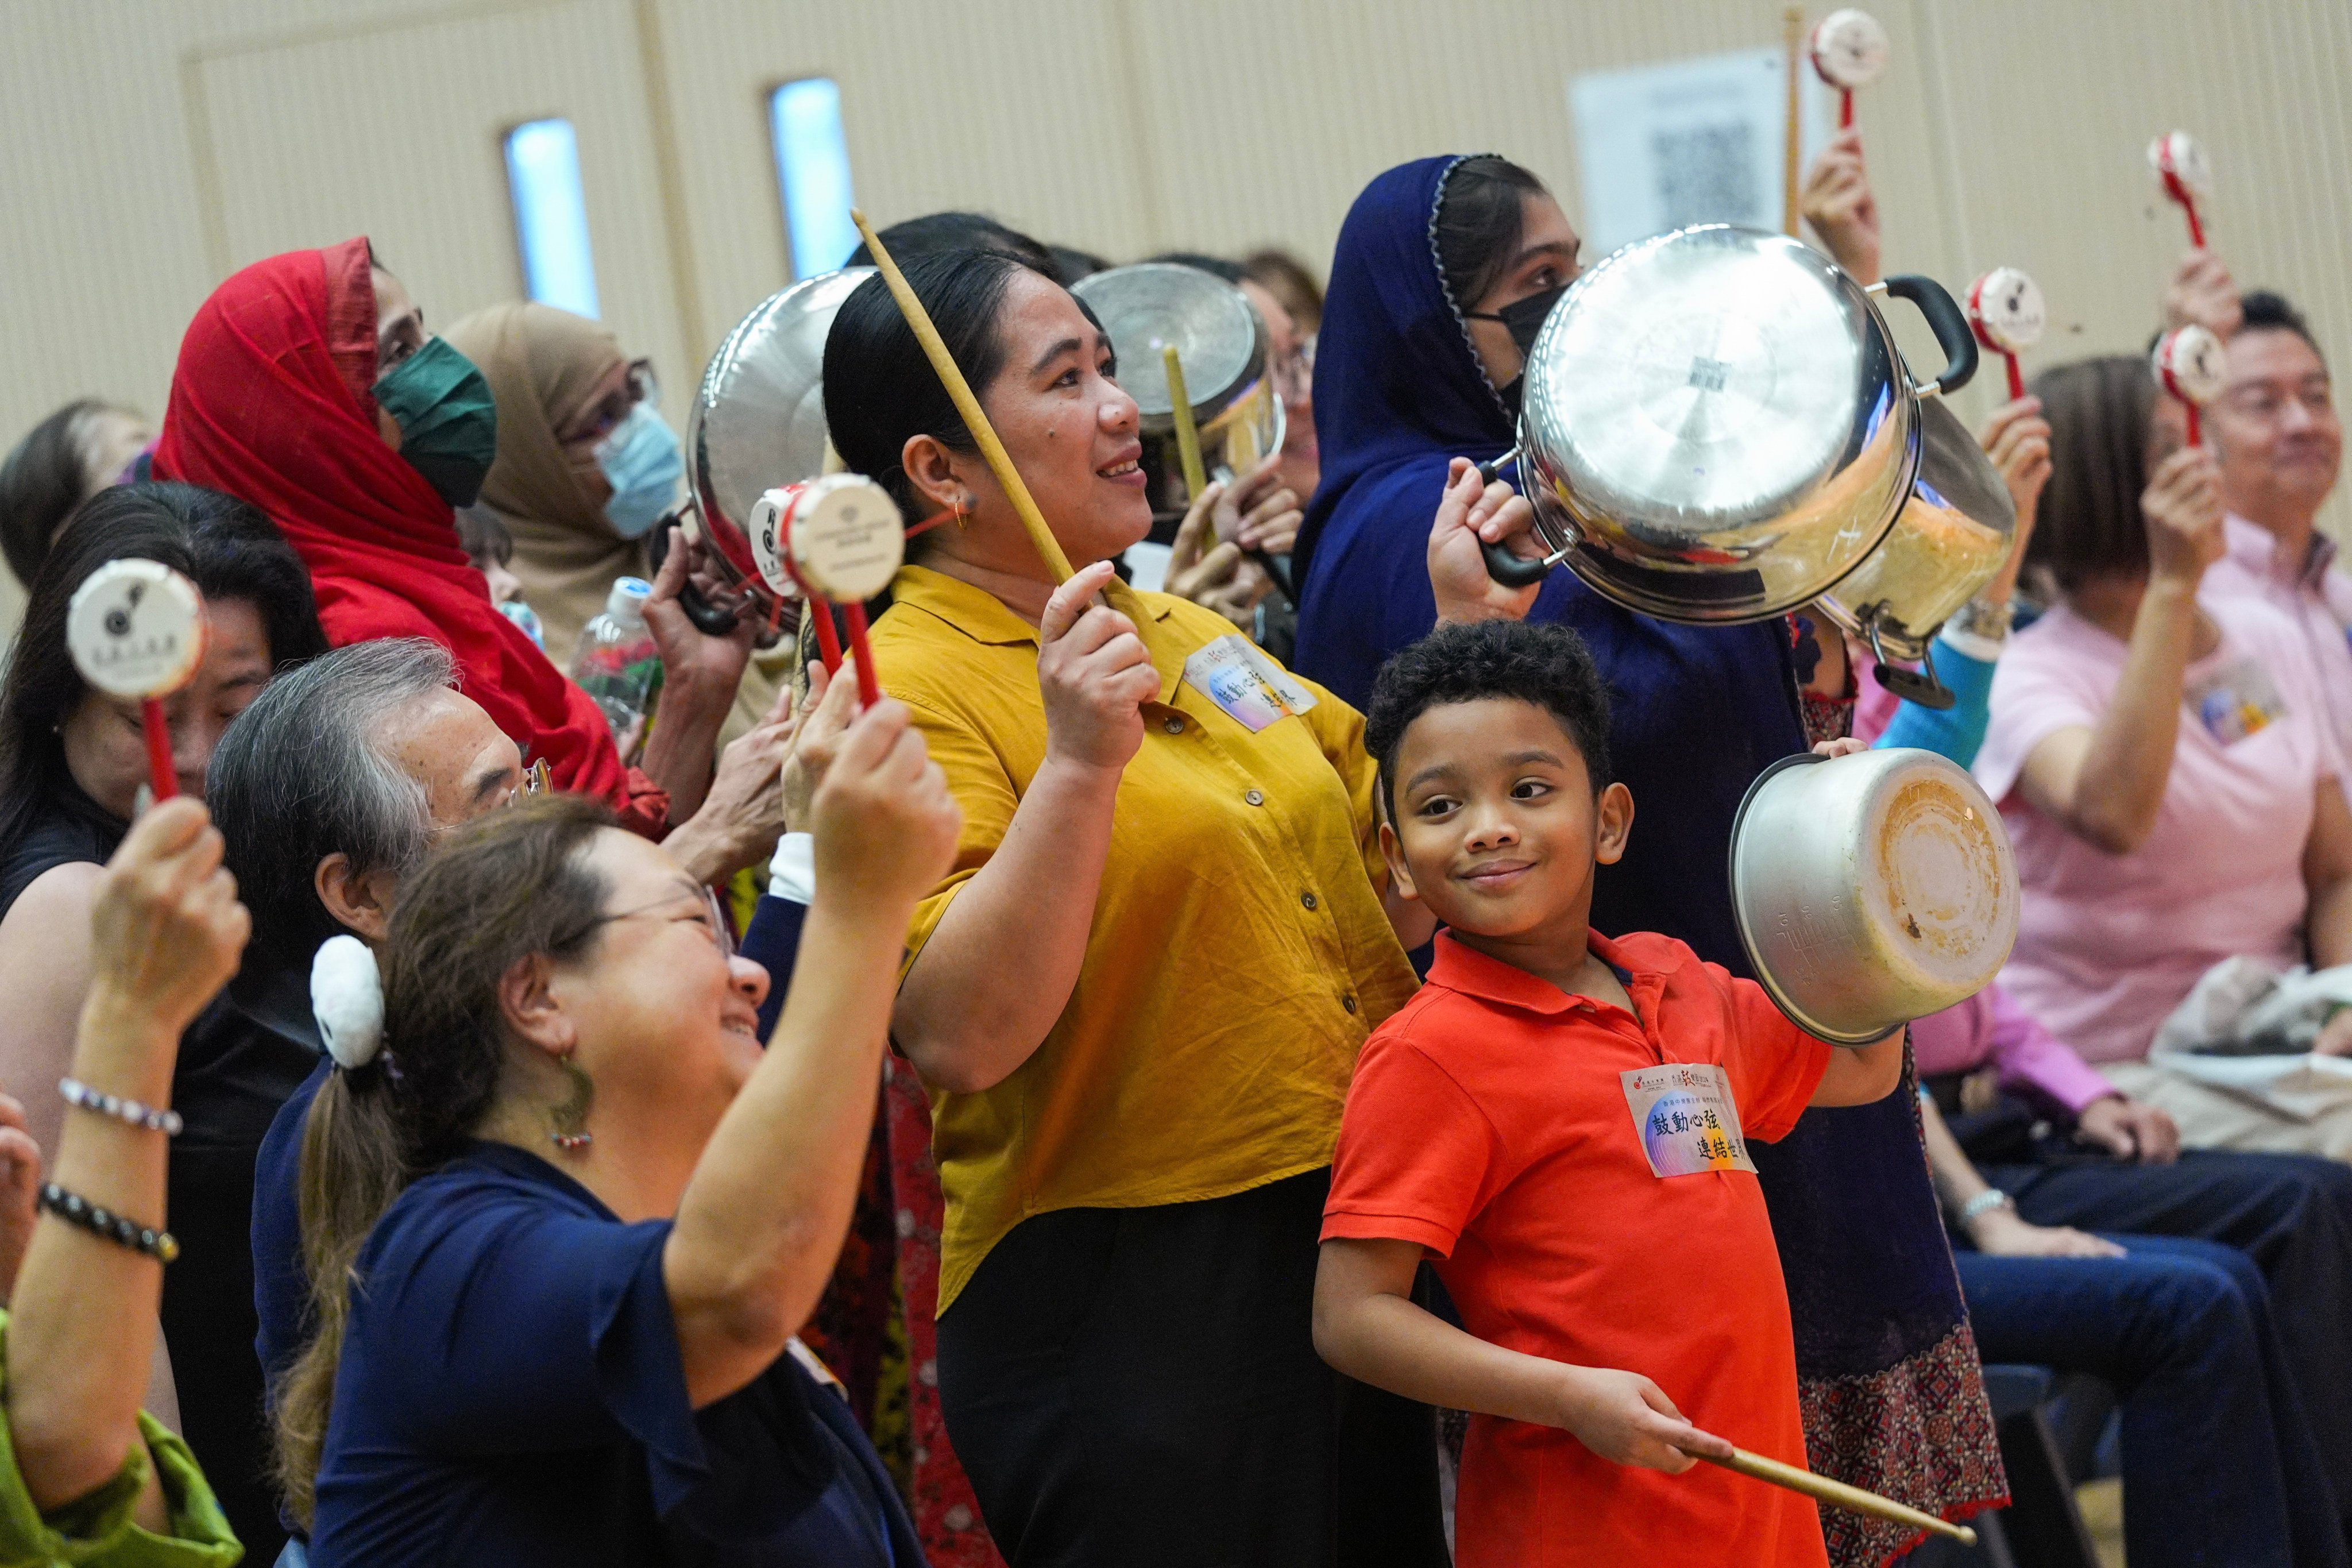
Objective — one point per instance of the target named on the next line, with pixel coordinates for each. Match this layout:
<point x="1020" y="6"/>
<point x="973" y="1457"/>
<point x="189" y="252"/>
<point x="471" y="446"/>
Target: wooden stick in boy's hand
<point x="1837" y="1494"/>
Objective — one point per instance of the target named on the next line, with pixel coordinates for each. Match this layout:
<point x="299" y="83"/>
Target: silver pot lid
<point x="1706" y="381"/>
<point x="1152" y="305"/>
<point x="758" y="418"/>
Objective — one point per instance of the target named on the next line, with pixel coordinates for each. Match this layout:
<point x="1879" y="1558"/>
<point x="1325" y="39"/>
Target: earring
<point x="962" y="510"/>
<point x="567" y="1124"/>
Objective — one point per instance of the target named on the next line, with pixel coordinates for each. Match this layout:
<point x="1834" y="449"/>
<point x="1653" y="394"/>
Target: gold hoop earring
<point x="567" y="1124"/>
<point x="962" y="511"/>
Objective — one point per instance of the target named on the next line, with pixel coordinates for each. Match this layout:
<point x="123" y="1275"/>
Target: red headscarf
<point x="271" y="403"/>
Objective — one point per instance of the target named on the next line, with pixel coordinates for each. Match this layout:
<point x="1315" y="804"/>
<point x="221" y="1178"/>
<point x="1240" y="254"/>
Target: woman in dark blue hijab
<point x="1438" y="284"/>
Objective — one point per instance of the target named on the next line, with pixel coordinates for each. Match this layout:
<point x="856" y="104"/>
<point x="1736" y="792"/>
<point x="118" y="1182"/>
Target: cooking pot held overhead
<point x="1716" y="424"/>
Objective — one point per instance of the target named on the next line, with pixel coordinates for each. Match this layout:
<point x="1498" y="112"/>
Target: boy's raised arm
<point x="1366" y="1326"/>
<point x="1861" y="1075"/>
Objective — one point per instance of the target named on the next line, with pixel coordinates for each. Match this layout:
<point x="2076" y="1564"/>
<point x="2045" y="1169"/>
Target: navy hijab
<point x="1892" y="1389"/>
<point x="1398" y="394"/>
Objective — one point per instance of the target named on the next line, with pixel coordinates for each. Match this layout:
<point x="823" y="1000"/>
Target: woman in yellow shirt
<point x="1137" y="997"/>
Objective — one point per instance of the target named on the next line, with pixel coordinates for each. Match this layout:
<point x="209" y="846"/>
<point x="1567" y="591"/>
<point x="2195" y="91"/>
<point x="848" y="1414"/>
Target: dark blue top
<point x="1695" y="713"/>
<point x="512" y="1392"/>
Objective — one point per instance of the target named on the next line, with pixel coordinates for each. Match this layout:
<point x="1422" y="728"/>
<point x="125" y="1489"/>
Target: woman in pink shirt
<point x="2163" y="764"/>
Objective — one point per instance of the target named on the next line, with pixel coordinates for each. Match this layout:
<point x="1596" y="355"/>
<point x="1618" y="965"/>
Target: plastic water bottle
<point x="617" y="663"/>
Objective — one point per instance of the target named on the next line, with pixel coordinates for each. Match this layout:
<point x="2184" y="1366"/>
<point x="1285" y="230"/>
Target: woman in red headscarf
<point x="307" y="387"/>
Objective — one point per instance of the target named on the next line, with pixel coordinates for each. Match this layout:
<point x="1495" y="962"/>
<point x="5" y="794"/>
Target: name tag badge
<point x="1254" y="690"/>
<point x="1684" y="1118"/>
<point x="2236" y="700"/>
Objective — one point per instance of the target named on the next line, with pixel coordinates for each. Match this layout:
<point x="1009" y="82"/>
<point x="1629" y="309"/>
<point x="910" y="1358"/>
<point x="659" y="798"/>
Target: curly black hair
<point x="1543" y="663"/>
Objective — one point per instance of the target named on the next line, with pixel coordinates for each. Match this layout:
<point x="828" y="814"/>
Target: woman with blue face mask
<point x="586" y="466"/>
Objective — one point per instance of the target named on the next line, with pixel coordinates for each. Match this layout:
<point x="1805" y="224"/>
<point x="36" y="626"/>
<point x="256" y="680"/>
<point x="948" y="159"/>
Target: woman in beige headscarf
<point x="581" y="477"/>
<point x="585" y="469"/>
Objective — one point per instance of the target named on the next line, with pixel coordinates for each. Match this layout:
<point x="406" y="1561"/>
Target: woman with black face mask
<point x="308" y="386"/>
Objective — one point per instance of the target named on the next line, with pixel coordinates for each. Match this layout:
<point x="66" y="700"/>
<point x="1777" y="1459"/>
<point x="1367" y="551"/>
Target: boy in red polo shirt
<point x="1561" y="1122"/>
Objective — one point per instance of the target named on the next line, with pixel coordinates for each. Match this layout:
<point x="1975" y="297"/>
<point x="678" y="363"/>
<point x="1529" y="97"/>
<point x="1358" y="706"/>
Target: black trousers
<point x="2291" y="1214"/>
<point x="1140" y="1387"/>
<point x="209" y="1323"/>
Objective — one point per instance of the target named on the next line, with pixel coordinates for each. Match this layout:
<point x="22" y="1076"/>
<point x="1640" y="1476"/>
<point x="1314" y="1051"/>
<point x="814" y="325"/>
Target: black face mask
<point x="1523" y="318"/>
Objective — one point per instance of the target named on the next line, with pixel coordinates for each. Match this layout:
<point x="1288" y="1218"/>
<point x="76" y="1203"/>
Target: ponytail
<point x="353" y="1167"/>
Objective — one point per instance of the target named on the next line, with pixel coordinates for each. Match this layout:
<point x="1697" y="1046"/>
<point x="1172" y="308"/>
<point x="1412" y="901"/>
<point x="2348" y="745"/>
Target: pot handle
<point x="1919" y="686"/>
<point x="1516" y="571"/>
<point x="1950" y="325"/>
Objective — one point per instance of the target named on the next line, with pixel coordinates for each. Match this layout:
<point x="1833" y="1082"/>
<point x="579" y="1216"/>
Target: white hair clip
<point x="347" y="998"/>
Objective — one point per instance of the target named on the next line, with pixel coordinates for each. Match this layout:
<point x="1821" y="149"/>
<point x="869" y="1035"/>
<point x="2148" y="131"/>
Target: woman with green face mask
<point x="308" y="385"/>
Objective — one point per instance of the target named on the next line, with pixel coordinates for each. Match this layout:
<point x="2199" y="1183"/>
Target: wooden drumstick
<point x="1837" y="1494"/>
<point x="1794" y="26"/>
<point x="1000" y="462"/>
<point x="1188" y="433"/>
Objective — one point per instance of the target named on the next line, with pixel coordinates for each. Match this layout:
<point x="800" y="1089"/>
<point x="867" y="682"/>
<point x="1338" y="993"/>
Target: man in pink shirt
<point x="2281" y="444"/>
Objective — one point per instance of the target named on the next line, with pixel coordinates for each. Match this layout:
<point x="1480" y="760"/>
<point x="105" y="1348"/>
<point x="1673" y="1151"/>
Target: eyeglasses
<point x="714" y="919"/>
<point x="593" y="425"/>
<point x="1293" y="373"/>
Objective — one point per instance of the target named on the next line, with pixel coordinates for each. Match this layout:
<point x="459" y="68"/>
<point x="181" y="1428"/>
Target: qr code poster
<point x="1684" y="141"/>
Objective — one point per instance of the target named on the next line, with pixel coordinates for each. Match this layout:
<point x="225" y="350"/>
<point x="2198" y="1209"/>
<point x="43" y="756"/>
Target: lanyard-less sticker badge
<point x="1252" y="688"/>
<point x="2236" y="700"/>
<point x="1684" y="1118"/>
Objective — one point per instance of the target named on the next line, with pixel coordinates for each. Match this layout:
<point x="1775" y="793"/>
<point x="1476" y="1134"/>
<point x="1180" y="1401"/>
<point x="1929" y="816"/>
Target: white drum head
<point x="136" y="628"/>
<point x="1849" y="48"/>
<point x="2008" y="309"/>
<point x="2179" y="156"/>
<point x="2192" y="363"/>
<point x="847" y="537"/>
<point x="765" y="524"/>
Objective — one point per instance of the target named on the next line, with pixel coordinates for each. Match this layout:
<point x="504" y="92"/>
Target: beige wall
<point x="154" y="146"/>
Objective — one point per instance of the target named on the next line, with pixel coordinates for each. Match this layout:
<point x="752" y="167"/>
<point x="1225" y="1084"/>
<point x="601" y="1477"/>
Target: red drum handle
<point x="1845" y="108"/>
<point x="869" y="690"/>
<point x="2016" y="378"/>
<point x="162" y="776"/>
<point x="828" y="635"/>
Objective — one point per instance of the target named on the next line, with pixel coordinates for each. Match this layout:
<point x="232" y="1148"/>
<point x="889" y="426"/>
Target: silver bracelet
<point x="1983" y="1204"/>
<point x="80" y="1096"/>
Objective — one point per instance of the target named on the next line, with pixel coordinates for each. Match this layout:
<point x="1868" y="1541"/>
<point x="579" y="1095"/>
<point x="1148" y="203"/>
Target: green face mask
<point x="448" y="423"/>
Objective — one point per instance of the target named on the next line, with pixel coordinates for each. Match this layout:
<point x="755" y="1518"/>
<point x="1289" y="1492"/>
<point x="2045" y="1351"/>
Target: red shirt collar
<point x="1467" y="970"/>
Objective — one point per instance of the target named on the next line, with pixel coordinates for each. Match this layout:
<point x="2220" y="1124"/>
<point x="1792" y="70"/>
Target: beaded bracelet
<point x="104" y="1223"/>
<point x="82" y="1095"/>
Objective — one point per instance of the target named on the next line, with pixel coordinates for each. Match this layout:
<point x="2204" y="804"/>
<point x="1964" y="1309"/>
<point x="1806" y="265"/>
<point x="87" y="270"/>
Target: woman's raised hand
<point x="1472" y="514"/>
<point x="2017" y="439"/>
<point x="885" y="826"/>
<point x="1096" y="675"/>
<point x="2182" y="504"/>
<point x="167" y="927"/>
<point x="1838" y="203"/>
<point x="2201" y="293"/>
<point x="693" y="660"/>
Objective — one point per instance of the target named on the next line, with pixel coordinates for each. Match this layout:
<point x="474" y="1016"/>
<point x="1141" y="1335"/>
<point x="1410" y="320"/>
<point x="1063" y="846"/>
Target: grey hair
<point x="297" y="777"/>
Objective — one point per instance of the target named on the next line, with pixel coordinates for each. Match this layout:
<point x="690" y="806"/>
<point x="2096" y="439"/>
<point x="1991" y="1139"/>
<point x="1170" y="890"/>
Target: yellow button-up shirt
<point x="1239" y="955"/>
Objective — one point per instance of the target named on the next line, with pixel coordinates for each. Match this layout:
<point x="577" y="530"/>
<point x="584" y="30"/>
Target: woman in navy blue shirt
<point x="604" y="1210"/>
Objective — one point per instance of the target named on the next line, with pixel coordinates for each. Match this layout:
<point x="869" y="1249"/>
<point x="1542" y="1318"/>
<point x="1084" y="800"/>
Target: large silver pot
<point x="1223" y="347"/>
<point x="1871" y="890"/>
<point x="758" y="422"/>
<point x="1716" y="424"/>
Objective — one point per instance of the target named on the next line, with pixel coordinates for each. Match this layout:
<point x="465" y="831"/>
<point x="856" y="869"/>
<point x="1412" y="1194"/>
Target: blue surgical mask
<point x="642" y="462"/>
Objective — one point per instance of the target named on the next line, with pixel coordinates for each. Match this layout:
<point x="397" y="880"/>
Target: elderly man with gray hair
<point x="333" y="786"/>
